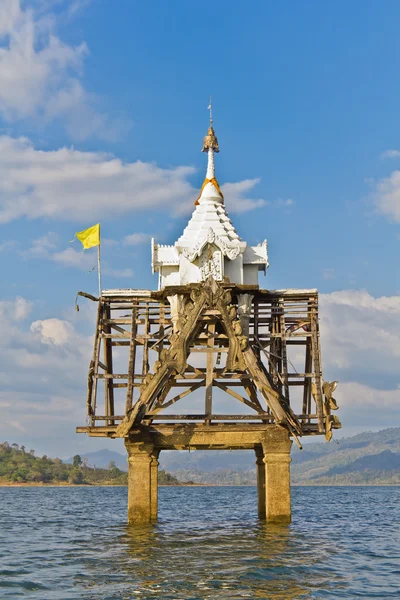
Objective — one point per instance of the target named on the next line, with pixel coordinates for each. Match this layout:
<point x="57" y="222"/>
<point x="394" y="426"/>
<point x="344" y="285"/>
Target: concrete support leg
<point x="154" y="486"/>
<point x="140" y="480"/>
<point x="277" y="480"/>
<point x="261" y="497"/>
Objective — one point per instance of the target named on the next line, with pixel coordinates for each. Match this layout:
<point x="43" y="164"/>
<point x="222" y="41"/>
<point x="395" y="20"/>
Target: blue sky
<point x="103" y="107"/>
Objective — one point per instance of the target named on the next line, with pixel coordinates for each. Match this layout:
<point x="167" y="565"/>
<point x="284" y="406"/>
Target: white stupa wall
<point x="209" y="245"/>
<point x="234" y="269"/>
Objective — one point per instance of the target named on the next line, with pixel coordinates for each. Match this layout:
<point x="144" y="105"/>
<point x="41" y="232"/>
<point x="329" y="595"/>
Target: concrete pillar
<point x="277" y="478"/>
<point x="140" y="480"/>
<point x="260" y="467"/>
<point x="154" y="485"/>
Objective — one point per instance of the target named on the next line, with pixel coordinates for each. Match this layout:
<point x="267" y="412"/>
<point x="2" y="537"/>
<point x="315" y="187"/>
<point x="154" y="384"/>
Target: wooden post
<point x="261" y="497"/>
<point x="132" y="361"/>
<point x="108" y="362"/>
<point x="210" y="371"/>
<point x="93" y="368"/>
<point x="282" y="327"/>
<point x="146" y="332"/>
<point x="317" y="367"/>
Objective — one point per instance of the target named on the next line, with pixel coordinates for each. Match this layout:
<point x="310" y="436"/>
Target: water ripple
<point x="72" y="543"/>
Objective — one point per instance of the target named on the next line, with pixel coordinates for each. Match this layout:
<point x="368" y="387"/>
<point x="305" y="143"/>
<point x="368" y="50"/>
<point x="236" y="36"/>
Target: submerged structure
<point x="209" y="331"/>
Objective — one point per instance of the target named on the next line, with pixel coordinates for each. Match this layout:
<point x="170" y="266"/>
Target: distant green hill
<point x="20" y="466"/>
<point x="366" y="458"/>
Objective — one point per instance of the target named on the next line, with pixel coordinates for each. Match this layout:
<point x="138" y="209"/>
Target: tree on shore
<point x="19" y="466"/>
<point x="77" y="461"/>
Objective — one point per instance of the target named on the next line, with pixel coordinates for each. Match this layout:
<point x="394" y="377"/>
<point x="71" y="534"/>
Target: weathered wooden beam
<point x="282" y="327"/>
<point x="107" y="417"/>
<point x="210" y="369"/>
<point x="92" y="382"/>
<point x="112" y="376"/>
<point x="165" y="405"/>
<point x="218" y="417"/>
<point x="282" y="414"/>
<point x="315" y="351"/>
<point x="131" y="363"/>
<point x="209" y="350"/>
<point x="301" y="375"/>
<point x="145" y="368"/>
<point x="272" y="314"/>
<point x="251" y="391"/>
<point x="245" y="401"/>
<point x="108" y="362"/>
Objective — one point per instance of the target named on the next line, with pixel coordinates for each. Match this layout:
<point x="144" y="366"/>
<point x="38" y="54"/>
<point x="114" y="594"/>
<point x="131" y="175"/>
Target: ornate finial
<point x="210" y="141"/>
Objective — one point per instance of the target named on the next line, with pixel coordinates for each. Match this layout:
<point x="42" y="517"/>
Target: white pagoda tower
<point x="207" y="329"/>
<point x="210" y="244"/>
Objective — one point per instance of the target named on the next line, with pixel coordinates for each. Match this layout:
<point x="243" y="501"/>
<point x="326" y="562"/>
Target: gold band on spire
<point x="215" y="184"/>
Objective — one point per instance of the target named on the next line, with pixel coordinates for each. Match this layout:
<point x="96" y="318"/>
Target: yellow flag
<point x="89" y="237"/>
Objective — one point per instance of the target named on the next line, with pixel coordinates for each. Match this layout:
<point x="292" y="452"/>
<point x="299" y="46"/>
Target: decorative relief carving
<point x="211" y="237"/>
<point x="177" y="303"/>
<point x="211" y="264"/>
<point x="244" y="310"/>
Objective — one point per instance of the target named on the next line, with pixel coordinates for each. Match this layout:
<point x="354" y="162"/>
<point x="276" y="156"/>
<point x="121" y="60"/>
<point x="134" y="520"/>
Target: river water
<point x="70" y="543"/>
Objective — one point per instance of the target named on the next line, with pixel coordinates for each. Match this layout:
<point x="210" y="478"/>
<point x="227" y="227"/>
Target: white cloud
<point x="43" y="374"/>
<point x="128" y="273"/>
<point x="45" y="248"/>
<point x="387" y="196"/>
<point x="391" y="154"/>
<point x="361" y="337"/>
<point x="72" y="258"/>
<point x="84" y="186"/>
<point x="15" y="310"/>
<point x="286" y="202"/>
<point x="41" y="247"/>
<point x="53" y="331"/>
<point x="235" y="196"/>
<point x="52" y="346"/>
<point x="8" y="245"/>
<point x="22" y="309"/>
<point x="136" y="239"/>
<point x="353" y="394"/>
<point x="16" y="425"/>
<point x="40" y="76"/>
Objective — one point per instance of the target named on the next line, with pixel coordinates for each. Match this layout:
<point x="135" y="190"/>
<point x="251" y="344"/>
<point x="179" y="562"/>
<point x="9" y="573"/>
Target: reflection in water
<point x="222" y="556"/>
<point x="72" y="543"/>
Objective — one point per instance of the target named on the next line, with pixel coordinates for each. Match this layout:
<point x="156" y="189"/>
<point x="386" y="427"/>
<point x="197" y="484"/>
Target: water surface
<point x="70" y="543"/>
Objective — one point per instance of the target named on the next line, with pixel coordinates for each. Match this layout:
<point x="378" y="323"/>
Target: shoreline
<point x="109" y="485"/>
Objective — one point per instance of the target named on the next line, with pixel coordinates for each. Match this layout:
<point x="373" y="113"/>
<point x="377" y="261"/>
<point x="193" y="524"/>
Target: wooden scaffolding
<point x="267" y="358"/>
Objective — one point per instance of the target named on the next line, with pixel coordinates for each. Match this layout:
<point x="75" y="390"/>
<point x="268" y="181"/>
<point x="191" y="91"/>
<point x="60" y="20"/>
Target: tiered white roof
<point x="209" y="244"/>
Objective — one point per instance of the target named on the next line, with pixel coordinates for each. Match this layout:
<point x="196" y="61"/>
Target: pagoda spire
<point x="210" y="189"/>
